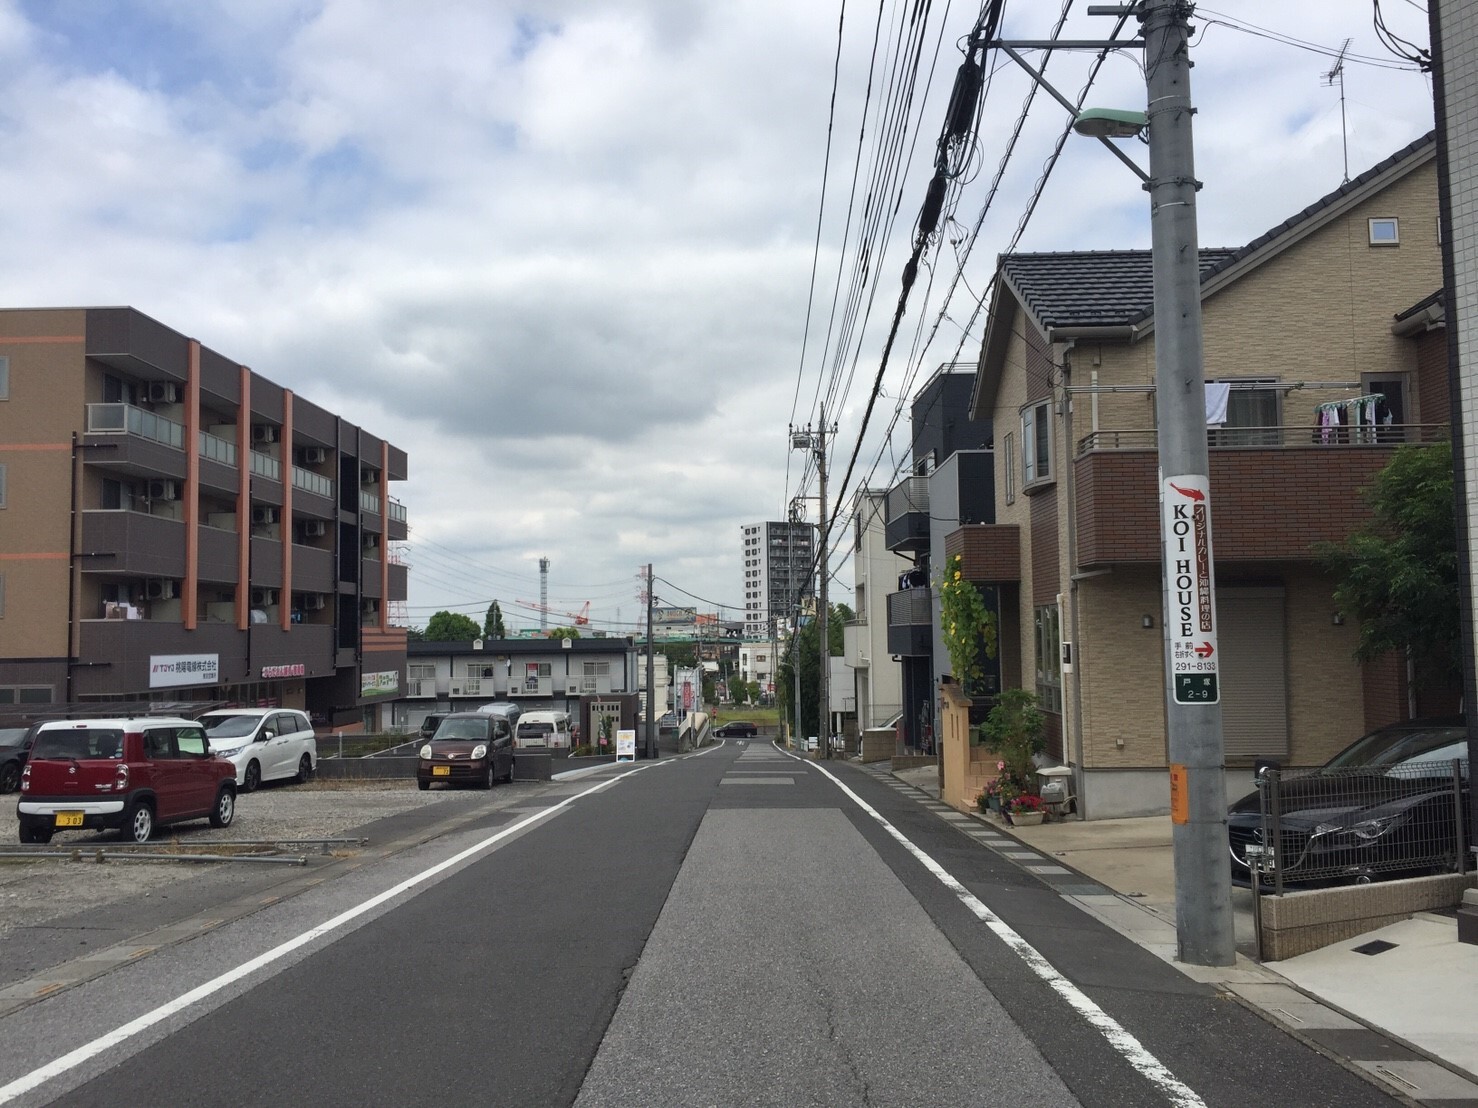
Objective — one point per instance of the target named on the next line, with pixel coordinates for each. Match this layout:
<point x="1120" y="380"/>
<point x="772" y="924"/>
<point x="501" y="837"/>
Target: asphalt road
<point x="734" y="927"/>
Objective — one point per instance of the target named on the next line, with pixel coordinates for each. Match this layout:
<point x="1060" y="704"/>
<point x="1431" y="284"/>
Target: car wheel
<point x="35" y="833"/>
<point x="10" y="777"/>
<point x="422" y="785"/>
<point x="225" y="810"/>
<point x="138" y="823"/>
<point x="305" y="770"/>
<point x="252" y="779"/>
<point x="509" y="778"/>
<point x="492" y="777"/>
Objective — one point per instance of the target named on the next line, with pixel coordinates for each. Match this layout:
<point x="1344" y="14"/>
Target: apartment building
<point x="777" y="570"/>
<point x="179" y="527"/>
<point x="874" y="676"/>
<point x="1321" y="361"/>
<point x="951" y="483"/>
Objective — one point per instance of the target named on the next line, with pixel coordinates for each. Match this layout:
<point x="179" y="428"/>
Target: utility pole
<point x="823" y="673"/>
<point x="1203" y="895"/>
<point x="651" y="735"/>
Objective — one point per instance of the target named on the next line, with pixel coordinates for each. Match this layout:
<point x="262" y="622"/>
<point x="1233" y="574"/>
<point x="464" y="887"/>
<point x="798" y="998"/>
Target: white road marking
<point x="1124" y="1043"/>
<point x="72" y="1059"/>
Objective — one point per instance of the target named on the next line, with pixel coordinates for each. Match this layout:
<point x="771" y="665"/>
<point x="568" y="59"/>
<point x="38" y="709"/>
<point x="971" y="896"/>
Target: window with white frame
<point x="1384" y="231"/>
<point x="1036" y="443"/>
<point x="1049" y="658"/>
<point x="1009" y="456"/>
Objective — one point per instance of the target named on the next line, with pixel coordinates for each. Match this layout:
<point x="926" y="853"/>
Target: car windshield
<point x="80" y="742"/>
<point x="1400" y="746"/>
<point x="230" y="727"/>
<point x="462" y="729"/>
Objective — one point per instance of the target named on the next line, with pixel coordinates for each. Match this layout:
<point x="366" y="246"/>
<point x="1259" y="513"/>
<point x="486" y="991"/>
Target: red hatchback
<point x="128" y="775"/>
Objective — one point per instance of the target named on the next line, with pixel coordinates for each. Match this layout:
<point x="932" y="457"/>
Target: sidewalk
<point x="1421" y="992"/>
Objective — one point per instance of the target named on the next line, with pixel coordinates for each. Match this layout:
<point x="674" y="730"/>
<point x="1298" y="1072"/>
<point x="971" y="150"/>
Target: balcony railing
<point x="217" y="449"/>
<point x="264" y="466"/>
<point x="316" y="483"/>
<point x="397" y="511"/>
<point x="369" y="501"/>
<point x="1395" y="434"/>
<point x="125" y="419"/>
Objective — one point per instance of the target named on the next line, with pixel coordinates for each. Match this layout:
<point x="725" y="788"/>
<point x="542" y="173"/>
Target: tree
<point x="803" y="645"/>
<point x="492" y="626"/>
<point x="967" y="625"/>
<point x="451" y="627"/>
<point x="563" y="633"/>
<point x="1399" y="574"/>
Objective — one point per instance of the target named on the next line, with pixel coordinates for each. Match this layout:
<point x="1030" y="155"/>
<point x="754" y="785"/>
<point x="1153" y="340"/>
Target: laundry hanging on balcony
<point x="1217" y="395"/>
<point x="1352" y="420"/>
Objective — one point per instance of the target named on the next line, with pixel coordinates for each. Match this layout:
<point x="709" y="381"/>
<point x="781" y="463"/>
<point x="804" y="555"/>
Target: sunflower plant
<point x="967" y="625"/>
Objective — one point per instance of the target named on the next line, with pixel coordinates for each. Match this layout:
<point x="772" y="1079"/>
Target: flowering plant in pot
<point x="1026" y="809"/>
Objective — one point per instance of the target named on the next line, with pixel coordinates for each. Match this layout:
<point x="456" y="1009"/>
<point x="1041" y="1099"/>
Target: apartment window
<point x="4" y="377"/>
<point x="419" y="671"/>
<point x="25" y="694"/>
<point x="479" y="669"/>
<point x="2" y="596"/>
<point x="1254" y="415"/>
<point x="1049" y="658"/>
<point x="1036" y="443"/>
<point x="1009" y="456"/>
<point x="1385" y="231"/>
<point x="2" y="486"/>
<point x="597" y="669"/>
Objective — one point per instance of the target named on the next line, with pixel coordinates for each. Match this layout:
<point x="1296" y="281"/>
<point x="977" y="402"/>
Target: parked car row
<point x="135" y="774"/>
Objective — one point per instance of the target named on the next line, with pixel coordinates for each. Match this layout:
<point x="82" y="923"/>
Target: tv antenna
<point x="1337" y="73"/>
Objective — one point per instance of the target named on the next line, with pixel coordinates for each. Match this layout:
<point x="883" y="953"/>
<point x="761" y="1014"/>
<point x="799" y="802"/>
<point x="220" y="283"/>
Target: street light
<point x="1105" y="123"/>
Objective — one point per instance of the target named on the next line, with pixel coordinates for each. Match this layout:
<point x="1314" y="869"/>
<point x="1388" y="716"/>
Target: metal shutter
<point x="1251" y="631"/>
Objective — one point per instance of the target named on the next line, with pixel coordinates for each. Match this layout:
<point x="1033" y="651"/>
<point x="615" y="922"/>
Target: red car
<point x="127" y="775"/>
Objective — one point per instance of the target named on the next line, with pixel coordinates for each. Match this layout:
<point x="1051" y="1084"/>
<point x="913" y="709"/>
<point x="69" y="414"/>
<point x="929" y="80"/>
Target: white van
<point x="542" y="731"/>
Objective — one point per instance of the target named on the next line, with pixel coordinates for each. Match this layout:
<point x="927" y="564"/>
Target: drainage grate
<point x="1376" y="946"/>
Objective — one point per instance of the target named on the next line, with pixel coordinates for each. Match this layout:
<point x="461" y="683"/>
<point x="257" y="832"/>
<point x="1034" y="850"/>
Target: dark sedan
<point x="737" y="729"/>
<point x="469" y="748"/>
<point x="1381" y="807"/>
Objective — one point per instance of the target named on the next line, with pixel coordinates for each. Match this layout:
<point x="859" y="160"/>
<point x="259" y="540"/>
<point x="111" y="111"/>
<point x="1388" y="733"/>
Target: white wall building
<point x="873" y="676"/>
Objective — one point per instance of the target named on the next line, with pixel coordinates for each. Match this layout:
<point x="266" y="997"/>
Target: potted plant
<point x="1026" y="810"/>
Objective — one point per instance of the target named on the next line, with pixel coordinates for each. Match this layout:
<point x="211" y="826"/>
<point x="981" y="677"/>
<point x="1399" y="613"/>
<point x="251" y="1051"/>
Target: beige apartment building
<point x="1323" y="354"/>
<point x="177" y="527"/>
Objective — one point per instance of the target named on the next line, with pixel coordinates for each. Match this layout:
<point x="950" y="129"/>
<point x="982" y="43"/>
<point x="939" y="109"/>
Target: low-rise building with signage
<point x="180" y="528"/>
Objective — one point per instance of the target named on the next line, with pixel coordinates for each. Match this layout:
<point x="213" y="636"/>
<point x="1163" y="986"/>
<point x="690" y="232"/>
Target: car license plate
<point x="441" y="771"/>
<point x="69" y="819"/>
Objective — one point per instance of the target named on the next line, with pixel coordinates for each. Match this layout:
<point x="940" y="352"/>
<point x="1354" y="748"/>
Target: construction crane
<point x="579" y="619"/>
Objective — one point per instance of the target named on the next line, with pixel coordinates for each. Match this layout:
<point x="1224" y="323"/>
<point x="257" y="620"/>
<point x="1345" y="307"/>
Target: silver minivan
<point x="264" y="744"/>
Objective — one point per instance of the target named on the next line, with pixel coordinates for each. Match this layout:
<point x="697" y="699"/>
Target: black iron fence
<point x="1325" y="826"/>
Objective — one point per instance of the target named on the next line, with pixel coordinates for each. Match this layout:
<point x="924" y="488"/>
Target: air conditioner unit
<point x="160" y="590"/>
<point x="164" y="490"/>
<point x="315" y="455"/>
<point x="314" y="528"/>
<point x="163" y="392"/>
<point x="264" y="515"/>
<point x="263" y="597"/>
<point x="456" y="690"/>
<point x="368" y="476"/>
<point x="312" y="602"/>
<point x="573" y="688"/>
<point x="263" y="432"/>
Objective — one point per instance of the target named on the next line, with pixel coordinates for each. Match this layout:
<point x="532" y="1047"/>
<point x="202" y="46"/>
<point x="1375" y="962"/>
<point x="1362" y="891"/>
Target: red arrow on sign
<point x="1205" y="650"/>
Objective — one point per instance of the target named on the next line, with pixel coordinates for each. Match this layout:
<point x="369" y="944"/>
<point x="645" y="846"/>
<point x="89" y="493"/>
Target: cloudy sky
<point x="566" y="254"/>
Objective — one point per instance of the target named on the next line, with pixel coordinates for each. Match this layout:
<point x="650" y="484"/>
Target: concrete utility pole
<point x="1203" y="894"/>
<point x="823" y="705"/>
<point x="650" y="738"/>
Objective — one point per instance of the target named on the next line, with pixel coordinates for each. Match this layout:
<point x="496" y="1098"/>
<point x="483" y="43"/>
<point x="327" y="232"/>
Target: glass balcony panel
<point x="264" y="466"/>
<point x="217" y="449"/>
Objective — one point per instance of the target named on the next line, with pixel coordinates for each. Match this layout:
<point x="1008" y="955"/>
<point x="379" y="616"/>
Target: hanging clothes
<point x="1217" y="395"/>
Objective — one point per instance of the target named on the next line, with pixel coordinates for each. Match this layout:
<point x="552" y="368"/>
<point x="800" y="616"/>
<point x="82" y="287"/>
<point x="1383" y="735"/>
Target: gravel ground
<point x="34" y="892"/>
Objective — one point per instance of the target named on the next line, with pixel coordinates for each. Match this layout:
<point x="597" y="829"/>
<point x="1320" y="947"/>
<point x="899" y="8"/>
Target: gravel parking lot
<point x="34" y="892"/>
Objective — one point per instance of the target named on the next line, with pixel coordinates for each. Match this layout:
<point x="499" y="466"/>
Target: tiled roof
<point x="1098" y="288"/>
<point x="1115" y="287"/>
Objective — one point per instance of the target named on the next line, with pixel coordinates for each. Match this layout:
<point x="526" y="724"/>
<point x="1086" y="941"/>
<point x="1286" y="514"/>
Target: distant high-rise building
<point x="777" y="570"/>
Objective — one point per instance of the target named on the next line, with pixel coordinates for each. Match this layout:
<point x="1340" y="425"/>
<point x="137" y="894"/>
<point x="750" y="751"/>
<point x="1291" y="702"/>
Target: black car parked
<point x="469" y="748"/>
<point x="15" y="745"/>
<point x="1380" y="807"/>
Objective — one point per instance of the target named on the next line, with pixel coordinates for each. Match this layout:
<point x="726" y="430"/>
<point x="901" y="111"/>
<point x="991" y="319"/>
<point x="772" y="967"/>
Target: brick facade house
<point x="1326" y="313"/>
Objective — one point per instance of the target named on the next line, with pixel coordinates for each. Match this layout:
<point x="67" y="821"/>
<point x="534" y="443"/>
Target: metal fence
<point x="1325" y="826"/>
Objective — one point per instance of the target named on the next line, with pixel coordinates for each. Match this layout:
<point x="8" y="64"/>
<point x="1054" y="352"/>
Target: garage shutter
<point x="1254" y="672"/>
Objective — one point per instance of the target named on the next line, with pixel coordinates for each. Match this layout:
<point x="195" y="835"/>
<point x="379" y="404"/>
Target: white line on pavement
<point x="1130" y="1048"/>
<point x="72" y="1059"/>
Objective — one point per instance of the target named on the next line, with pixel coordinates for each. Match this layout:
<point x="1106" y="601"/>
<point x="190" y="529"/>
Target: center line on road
<point x="72" y="1059"/>
<point x="1127" y="1046"/>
